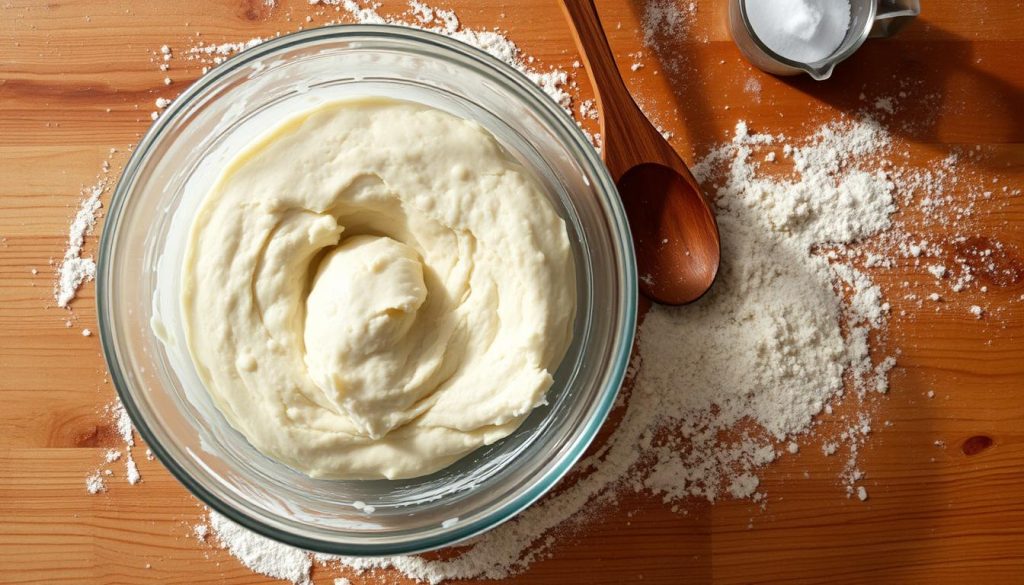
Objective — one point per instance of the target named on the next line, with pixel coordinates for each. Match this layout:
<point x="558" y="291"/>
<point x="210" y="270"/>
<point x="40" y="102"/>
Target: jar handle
<point x="892" y="15"/>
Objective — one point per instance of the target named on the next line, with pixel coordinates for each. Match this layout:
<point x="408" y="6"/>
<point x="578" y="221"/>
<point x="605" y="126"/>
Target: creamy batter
<point x="375" y="289"/>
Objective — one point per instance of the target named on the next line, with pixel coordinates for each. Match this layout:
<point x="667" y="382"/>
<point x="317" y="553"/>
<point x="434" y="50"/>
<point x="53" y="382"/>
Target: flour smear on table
<point x="725" y="386"/>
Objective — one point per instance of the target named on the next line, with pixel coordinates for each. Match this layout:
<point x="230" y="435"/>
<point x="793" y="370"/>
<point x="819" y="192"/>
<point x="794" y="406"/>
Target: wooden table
<point x="936" y="514"/>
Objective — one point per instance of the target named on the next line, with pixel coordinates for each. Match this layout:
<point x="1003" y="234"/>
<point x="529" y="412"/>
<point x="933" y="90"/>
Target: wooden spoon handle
<point x="596" y="54"/>
<point x="629" y="138"/>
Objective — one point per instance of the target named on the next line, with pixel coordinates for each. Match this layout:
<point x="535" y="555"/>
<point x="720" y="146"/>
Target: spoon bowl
<point x="674" y="231"/>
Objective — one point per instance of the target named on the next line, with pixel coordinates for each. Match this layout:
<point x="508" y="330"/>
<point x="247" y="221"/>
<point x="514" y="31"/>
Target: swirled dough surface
<point x="376" y="288"/>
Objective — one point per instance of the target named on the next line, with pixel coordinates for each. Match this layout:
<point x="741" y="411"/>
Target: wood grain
<point x="948" y="514"/>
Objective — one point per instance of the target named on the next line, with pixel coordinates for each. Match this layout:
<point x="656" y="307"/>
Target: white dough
<point x="375" y="289"/>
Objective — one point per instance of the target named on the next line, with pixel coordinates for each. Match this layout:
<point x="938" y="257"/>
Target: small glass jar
<point x="868" y="19"/>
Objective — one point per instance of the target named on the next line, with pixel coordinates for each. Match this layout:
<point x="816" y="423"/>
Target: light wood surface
<point x="935" y="514"/>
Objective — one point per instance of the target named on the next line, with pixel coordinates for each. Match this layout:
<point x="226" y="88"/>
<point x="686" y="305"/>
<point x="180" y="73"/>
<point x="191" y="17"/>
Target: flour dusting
<point x="74" y="270"/>
<point x="260" y="554"/>
<point x="94" y="483"/>
<point x="554" y="82"/>
<point x="664" y="25"/>
<point x="666" y="19"/>
<point x="122" y="423"/>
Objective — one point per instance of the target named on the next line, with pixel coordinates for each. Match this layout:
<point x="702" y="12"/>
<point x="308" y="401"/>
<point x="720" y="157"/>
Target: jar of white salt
<point x="787" y="37"/>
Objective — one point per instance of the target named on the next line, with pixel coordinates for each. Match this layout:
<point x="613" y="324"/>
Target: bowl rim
<point x="561" y="123"/>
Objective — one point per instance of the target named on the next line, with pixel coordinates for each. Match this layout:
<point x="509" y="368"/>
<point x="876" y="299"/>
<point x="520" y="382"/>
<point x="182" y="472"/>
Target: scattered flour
<point x="262" y="555"/>
<point x="422" y="16"/>
<point x="664" y="24"/>
<point x="771" y="349"/>
<point x="885" y="104"/>
<point x="446" y="22"/>
<point x="752" y="87"/>
<point x="217" y="52"/>
<point x="75" y="270"/>
<point x="122" y="421"/>
<point x="94" y="483"/>
<point x="131" y="470"/>
<point x="123" y="424"/>
<point x="665" y="20"/>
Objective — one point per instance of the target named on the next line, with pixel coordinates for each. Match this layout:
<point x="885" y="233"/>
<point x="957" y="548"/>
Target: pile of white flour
<point x="720" y="388"/>
<point x="765" y="346"/>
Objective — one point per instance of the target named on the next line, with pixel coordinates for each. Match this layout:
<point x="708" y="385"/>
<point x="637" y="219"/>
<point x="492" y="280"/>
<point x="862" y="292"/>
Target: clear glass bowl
<point x="140" y="257"/>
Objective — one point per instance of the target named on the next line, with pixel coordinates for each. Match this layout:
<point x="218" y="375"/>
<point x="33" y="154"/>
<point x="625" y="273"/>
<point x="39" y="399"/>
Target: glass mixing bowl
<point x="138" y="283"/>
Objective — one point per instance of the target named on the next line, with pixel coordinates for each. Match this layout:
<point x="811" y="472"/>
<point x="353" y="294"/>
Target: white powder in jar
<point x="806" y="31"/>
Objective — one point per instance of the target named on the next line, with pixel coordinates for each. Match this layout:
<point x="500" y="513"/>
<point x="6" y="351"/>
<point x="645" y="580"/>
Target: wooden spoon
<point x="674" y="229"/>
